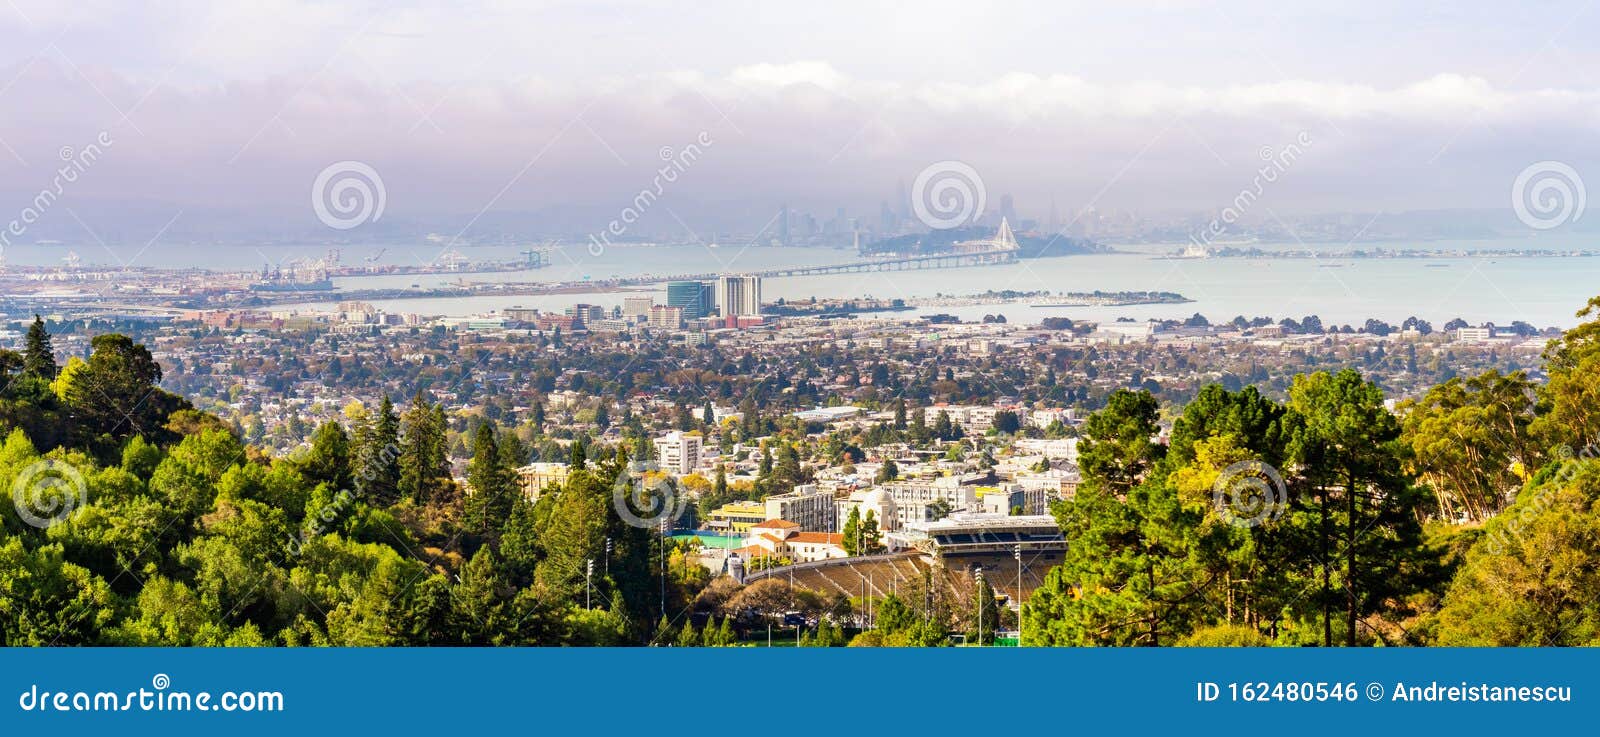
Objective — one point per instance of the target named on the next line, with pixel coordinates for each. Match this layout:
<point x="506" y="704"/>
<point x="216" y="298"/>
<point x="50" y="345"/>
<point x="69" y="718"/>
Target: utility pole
<point x="608" y="557"/>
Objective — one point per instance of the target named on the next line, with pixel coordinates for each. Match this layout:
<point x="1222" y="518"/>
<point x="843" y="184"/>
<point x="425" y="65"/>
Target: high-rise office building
<point x="739" y="296"/>
<point x="695" y="297"/>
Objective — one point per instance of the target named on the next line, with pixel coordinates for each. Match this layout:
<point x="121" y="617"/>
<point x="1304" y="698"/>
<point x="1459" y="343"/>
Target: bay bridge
<point x="1001" y="249"/>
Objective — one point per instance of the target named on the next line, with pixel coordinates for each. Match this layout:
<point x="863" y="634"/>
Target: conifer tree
<point x="39" y="357"/>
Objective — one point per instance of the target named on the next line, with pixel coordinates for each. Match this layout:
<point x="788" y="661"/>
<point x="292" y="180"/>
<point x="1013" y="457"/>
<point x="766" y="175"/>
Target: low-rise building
<point x="737" y="517"/>
<point x="807" y="506"/>
<point x="536" y="476"/>
<point x="783" y="539"/>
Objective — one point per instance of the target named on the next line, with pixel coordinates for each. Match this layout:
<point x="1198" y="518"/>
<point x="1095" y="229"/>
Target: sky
<point x="469" y="109"/>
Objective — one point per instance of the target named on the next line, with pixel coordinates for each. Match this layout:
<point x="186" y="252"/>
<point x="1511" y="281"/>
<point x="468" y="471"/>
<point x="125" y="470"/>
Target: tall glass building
<point x="695" y="297"/>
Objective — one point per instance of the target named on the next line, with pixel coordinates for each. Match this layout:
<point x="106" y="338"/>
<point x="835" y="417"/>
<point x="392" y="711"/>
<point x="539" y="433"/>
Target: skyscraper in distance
<point x="739" y="296"/>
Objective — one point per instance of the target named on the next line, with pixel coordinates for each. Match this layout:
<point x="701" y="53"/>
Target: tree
<point x="424" y="462"/>
<point x="888" y="472"/>
<point x="851" y="533"/>
<point x="1470" y="440"/>
<point x="1572" y="394"/>
<point x="1150" y="564"/>
<point x="870" y="540"/>
<point x="114" y="395"/>
<point x="328" y="459"/>
<point x="1006" y="422"/>
<point x="379" y="450"/>
<point x="579" y="455"/>
<point x="984" y="613"/>
<point x="1529" y="579"/>
<point x="39" y="356"/>
<point x="1118" y="443"/>
<point x="46" y="600"/>
<point x="493" y="487"/>
<point x="1347" y="445"/>
<point x="687" y="637"/>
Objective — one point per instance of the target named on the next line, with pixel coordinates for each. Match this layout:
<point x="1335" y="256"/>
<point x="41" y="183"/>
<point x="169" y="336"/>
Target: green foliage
<point x="185" y="536"/>
<point x="1530" y="580"/>
<point x="1470" y="440"/>
<point x="1225" y="635"/>
<point x="1157" y="551"/>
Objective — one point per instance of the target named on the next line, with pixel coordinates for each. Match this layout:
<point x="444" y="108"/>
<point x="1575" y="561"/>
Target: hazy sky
<point x="468" y="106"/>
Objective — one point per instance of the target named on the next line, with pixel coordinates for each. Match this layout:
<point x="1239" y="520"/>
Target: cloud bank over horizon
<point x="237" y="110"/>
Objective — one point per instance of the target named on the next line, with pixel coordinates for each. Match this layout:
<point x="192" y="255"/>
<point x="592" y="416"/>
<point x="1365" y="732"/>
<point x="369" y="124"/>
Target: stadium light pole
<point x="588" y="578"/>
<point x="978" y="594"/>
<point x="665" y="525"/>
<point x="1017" y="553"/>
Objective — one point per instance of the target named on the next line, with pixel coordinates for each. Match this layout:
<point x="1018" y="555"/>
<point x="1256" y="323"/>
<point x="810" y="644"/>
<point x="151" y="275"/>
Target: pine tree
<point x="493" y="488"/>
<point x="39" y="357"/>
<point x="536" y="418"/>
<point x="870" y="542"/>
<point x="579" y="456"/>
<point x="1365" y="509"/>
<point x="380" y="457"/>
<point x="852" y="532"/>
<point x="424" y="465"/>
<point x="687" y="637"/>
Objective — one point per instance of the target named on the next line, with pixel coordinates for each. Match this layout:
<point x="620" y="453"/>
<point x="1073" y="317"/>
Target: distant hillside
<point x="1033" y="245"/>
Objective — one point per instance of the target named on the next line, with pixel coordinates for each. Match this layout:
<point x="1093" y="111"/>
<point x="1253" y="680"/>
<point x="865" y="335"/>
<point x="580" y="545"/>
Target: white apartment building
<point x="637" y="308"/>
<point x="678" y="452"/>
<point x="666" y="317"/>
<point x="739" y="296"/>
<point x="1051" y="447"/>
<point x="914" y="500"/>
<point x="972" y="418"/>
